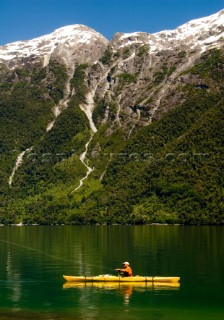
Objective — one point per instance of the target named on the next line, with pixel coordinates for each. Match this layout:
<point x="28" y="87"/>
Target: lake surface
<point x="33" y="260"/>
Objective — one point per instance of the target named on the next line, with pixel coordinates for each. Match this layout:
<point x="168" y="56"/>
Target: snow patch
<point x="129" y="35"/>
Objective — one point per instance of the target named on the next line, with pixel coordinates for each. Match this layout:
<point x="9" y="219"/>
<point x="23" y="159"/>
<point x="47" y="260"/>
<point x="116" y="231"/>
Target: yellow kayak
<point x="139" y="286"/>
<point x="110" y="278"/>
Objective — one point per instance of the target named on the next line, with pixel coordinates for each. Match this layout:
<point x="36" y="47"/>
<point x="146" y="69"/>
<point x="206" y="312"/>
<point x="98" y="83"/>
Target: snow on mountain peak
<point x="203" y="32"/>
<point x="79" y="43"/>
<point x="67" y="37"/>
<point x="77" y="32"/>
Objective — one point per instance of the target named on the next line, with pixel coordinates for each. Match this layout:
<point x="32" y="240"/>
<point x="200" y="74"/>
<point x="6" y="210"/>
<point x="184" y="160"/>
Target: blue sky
<point x="27" y="19"/>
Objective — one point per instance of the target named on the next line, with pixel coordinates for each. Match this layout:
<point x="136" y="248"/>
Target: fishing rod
<point x="47" y="254"/>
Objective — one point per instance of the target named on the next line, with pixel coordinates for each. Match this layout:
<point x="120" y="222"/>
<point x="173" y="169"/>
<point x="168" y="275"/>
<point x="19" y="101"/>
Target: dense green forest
<point x="170" y="171"/>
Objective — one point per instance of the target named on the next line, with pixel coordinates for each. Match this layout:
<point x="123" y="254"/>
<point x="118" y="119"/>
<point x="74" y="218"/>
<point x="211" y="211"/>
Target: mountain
<point x="122" y="131"/>
<point x="69" y="45"/>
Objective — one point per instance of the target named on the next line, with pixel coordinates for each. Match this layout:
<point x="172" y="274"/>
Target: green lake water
<point x="33" y="260"/>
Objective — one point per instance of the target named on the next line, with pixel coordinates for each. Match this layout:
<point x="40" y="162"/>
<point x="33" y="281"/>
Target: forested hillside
<point x="126" y="131"/>
<point x="168" y="171"/>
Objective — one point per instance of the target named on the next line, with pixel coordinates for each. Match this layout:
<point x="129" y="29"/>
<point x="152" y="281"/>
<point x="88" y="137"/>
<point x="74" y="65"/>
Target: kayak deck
<point x="110" y="278"/>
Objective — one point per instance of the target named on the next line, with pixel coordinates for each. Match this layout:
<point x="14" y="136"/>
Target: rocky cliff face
<point x="136" y="72"/>
<point x="140" y="70"/>
<point x="75" y="90"/>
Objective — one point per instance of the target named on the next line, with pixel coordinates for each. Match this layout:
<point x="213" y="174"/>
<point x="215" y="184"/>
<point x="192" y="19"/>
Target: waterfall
<point x="63" y="103"/>
<point x="85" y="163"/>
<point x="18" y="163"/>
<point x="88" y="110"/>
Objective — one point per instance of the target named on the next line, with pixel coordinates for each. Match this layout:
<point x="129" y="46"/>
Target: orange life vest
<point x="128" y="272"/>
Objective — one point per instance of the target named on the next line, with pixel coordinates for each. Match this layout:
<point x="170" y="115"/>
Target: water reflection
<point x="124" y="289"/>
<point x="33" y="260"/>
<point x="138" y="286"/>
<point x="13" y="281"/>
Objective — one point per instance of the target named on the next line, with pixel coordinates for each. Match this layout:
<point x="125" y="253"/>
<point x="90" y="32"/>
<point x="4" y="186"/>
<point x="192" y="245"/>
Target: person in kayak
<point x="126" y="271"/>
